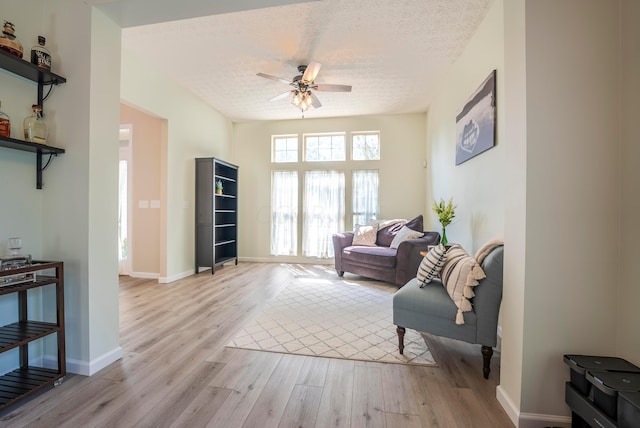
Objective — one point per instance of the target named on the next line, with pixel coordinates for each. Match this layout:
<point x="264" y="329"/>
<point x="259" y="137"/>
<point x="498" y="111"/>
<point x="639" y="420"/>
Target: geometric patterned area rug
<point x="320" y="314"/>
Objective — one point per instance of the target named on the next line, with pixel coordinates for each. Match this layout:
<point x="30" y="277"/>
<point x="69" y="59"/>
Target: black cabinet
<point x="42" y="78"/>
<point x="216" y="213"/>
<point x="27" y="379"/>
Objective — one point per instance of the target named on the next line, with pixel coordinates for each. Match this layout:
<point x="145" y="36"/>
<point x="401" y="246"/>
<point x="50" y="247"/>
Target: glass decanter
<point x="35" y="128"/>
<point x="8" y="41"/>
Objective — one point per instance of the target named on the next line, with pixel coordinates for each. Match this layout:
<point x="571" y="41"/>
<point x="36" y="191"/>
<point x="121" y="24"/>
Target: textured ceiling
<point x="393" y="52"/>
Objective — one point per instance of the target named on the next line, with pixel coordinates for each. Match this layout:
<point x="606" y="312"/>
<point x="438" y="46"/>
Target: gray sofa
<point x="431" y="310"/>
<point x="381" y="262"/>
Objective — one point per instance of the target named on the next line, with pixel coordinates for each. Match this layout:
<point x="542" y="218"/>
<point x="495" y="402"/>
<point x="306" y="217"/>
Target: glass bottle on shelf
<point x="40" y="55"/>
<point x="8" y="41"/>
<point x="35" y="128"/>
<point x="5" y="124"/>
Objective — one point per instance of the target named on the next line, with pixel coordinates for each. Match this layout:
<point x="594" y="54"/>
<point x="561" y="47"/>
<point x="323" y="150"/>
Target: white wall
<point x="573" y="159"/>
<point x="193" y="130"/>
<point x="513" y="299"/>
<point x="82" y="184"/>
<point x="563" y="117"/>
<point x="401" y="170"/>
<point x="68" y="219"/>
<point x="22" y="208"/>
<point x="477" y="186"/>
<point x="629" y="293"/>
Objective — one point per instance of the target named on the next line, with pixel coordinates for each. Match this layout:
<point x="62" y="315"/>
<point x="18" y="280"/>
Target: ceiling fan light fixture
<point x="302" y="100"/>
<point x="296" y="99"/>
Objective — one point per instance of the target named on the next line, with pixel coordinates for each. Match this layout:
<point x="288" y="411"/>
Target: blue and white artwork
<point x="476" y="123"/>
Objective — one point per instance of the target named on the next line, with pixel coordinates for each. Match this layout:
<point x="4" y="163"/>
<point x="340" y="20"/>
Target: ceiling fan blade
<point x="315" y="102"/>
<point x="280" y="96"/>
<point x="311" y="72"/>
<point x="332" y="88"/>
<point x="277" y="79"/>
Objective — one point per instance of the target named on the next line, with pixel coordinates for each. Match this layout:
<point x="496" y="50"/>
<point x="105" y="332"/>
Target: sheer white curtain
<point x="365" y="196"/>
<point x="323" y="211"/>
<point x="284" y="213"/>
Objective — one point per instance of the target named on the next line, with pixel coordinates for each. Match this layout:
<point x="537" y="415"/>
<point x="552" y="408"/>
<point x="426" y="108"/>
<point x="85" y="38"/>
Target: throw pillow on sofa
<point x="365" y="235"/>
<point x="387" y="233"/>
<point x="403" y="235"/>
<point x="431" y="264"/>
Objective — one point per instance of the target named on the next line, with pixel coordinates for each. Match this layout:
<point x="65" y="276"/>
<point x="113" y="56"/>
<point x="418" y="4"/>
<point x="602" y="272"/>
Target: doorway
<point x="124" y="201"/>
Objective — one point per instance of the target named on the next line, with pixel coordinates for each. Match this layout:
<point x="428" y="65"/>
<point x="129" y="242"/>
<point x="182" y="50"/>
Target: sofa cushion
<point x="404" y="234"/>
<point x="381" y="257"/>
<point x="387" y="233"/>
<point x="365" y="234"/>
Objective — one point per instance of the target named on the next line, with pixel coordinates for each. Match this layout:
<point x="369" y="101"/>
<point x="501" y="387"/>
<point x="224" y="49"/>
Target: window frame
<point x="365" y="133"/>
<point x="285" y="137"/>
<point x="305" y="150"/>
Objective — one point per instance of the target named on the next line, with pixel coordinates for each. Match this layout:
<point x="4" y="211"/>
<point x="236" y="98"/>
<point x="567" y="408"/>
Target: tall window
<point x="284" y="213"/>
<point x="319" y="191"/>
<point x="365" y="146"/>
<point x="285" y="148"/>
<point x="365" y="203"/>
<point x="324" y="148"/>
<point x="323" y="211"/>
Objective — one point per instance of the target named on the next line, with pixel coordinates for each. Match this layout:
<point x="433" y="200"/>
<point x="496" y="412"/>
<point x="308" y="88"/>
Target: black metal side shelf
<point x="27" y="379"/>
<point x="42" y="78"/>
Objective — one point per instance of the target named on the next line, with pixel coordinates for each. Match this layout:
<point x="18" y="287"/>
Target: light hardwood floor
<point x="176" y="371"/>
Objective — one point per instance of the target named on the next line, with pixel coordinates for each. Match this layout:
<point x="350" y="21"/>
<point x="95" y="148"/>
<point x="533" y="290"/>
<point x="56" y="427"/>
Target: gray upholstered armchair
<point x="431" y="310"/>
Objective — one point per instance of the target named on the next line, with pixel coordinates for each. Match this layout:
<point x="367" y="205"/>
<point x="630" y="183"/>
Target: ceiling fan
<point x="304" y="86"/>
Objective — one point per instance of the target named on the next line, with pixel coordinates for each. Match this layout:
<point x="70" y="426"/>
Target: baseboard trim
<point x="85" y="368"/>
<point x="287" y="259"/>
<point x="535" y="420"/>
<point x="507" y="405"/>
<point x="168" y="279"/>
<point x="146" y="275"/>
<point x="529" y="420"/>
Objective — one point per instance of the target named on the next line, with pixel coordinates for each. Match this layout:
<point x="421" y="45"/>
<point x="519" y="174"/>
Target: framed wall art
<point x="476" y="122"/>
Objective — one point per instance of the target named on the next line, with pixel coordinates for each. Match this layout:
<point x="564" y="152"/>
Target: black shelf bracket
<point x="39" y="149"/>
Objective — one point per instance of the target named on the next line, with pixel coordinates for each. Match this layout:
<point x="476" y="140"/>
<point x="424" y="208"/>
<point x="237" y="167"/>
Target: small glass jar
<point x="35" y="128"/>
<point x="40" y="55"/>
<point x="5" y="124"/>
<point x="8" y="41"/>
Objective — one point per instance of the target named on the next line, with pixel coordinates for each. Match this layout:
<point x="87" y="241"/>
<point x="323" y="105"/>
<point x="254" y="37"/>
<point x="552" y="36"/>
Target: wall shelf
<point x="42" y="78"/>
<point x="29" y="71"/>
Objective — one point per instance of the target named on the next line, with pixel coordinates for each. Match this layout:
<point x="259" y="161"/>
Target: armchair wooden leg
<point x="400" y="331"/>
<point x="487" y="353"/>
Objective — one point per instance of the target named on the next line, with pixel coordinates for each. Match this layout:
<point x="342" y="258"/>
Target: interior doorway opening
<point x="124" y="201"/>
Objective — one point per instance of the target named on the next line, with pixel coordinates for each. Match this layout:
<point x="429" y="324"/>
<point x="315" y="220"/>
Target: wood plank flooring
<point x="176" y="371"/>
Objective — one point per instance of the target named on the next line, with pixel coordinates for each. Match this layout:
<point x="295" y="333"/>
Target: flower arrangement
<point x="446" y="212"/>
<point x="219" y="187"/>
